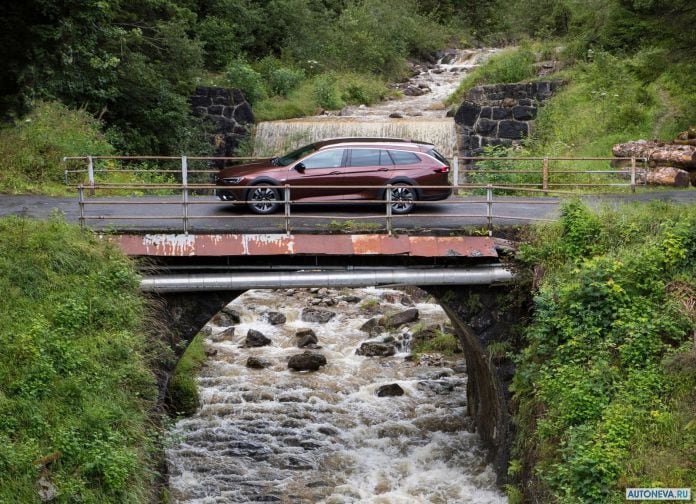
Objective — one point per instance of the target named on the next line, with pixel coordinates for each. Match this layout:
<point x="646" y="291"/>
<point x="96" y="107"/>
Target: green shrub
<point x="326" y="92"/>
<point x="32" y="150"/>
<point x="283" y="80"/>
<point x="239" y="74"/>
<point x="593" y="389"/>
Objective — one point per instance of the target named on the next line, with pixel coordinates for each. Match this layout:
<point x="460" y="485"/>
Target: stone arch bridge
<point x="192" y="277"/>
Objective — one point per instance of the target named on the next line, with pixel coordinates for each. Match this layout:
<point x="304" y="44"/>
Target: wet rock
<point x="390" y="390"/>
<point x="256" y="338"/>
<point x="327" y="431"/>
<point x="227" y="334"/>
<point x="301" y="333"/>
<point x="399" y="319"/>
<point x="396" y="115"/>
<point x="307" y="361"/>
<point x="257" y="363"/>
<point x="227" y="317"/>
<point x="371" y="327"/>
<point x="317" y="315"/>
<point x="375" y="349"/>
<point x="440" y="387"/>
<point x="351" y="299"/>
<point x="406" y="300"/>
<point x="426" y="333"/>
<point x="309" y="339"/>
<point x="275" y="318"/>
<point x="318" y="484"/>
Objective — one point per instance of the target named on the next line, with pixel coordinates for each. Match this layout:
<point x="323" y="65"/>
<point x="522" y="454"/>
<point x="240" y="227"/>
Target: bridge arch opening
<point x="480" y="315"/>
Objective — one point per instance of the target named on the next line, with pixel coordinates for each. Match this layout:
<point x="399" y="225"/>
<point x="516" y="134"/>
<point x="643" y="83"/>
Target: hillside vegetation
<point x="76" y="387"/>
<point x="123" y="71"/>
<point x="605" y="390"/>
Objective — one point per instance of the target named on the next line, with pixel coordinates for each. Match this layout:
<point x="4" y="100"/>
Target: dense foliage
<point x="606" y="388"/>
<point x="76" y="390"/>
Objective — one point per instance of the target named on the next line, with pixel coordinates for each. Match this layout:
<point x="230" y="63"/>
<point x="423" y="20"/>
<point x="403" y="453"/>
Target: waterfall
<point x="276" y="137"/>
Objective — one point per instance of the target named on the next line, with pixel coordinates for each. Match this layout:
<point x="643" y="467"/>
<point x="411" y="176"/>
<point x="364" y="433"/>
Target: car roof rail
<point x="330" y="141"/>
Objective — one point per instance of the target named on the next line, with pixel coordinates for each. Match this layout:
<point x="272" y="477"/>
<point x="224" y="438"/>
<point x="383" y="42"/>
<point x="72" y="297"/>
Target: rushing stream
<point x="417" y="116"/>
<point x="278" y="435"/>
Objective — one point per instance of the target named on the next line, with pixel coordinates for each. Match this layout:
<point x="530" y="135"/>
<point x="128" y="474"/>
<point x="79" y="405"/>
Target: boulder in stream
<point x="257" y="363"/>
<point x="275" y="318"/>
<point x="307" y="361"/>
<point x="256" y="338"/>
<point x="376" y="349"/>
<point x="307" y="338"/>
<point x="317" y="315"/>
<point x="390" y="390"/>
<point x="399" y="319"/>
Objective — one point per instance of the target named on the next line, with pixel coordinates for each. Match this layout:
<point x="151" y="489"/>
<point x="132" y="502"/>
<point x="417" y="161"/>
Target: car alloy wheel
<point x="263" y="199"/>
<point x="403" y="198"/>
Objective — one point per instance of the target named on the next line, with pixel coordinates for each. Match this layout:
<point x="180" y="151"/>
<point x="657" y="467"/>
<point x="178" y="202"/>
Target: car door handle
<point x="335" y="173"/>
<point x="383" y="169"/>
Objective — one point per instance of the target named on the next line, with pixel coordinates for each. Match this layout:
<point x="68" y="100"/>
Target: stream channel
<point x="326" y="436"/>
<point x="272" y="434"/>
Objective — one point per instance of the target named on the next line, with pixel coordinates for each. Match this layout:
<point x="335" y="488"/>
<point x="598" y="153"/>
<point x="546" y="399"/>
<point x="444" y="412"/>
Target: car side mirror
<point x="300" y="167"/>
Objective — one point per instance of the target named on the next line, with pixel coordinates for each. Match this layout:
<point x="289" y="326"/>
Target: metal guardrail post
<point x="489" y="208"/>
<point x="184" y="201"/>
<point x="545" y="176"/>
<point x="389" y="208"/>
<point x="455" y="170"/>
<point x="286" y="195"/>
<point x="90" y="174"/>
<point x="81" y="204"/>
<point x="633" y="174"/>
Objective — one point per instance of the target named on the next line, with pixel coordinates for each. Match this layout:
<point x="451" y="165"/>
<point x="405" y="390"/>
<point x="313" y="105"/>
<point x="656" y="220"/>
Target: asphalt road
<point x="207" y="214"/>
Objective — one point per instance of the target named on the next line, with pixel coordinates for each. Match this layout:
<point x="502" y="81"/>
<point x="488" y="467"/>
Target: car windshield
<point x="295" y="155"/>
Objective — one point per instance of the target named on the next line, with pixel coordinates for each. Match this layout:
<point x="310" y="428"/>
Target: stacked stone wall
<point x="499" y="114"/>
<point x="228" y="113"/>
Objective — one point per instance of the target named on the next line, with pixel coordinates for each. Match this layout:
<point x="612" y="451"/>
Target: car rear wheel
<point x="263" y="199"/>
<point x="403" y="198"/>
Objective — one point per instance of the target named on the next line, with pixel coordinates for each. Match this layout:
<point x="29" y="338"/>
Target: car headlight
<point x="232" y="180"/>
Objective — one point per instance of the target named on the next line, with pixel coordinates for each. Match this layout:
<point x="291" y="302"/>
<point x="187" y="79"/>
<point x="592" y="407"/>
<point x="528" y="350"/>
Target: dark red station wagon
<point x="330" y="170"/>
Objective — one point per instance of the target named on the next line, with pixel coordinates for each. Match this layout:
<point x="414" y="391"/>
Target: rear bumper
<point x="435" y="195"/>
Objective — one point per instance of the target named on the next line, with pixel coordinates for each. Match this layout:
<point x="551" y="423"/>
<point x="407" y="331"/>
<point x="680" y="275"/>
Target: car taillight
<point x="442" y="169"/>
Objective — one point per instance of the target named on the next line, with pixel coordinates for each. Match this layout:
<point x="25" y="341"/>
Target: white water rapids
<point x="276" y="435"/>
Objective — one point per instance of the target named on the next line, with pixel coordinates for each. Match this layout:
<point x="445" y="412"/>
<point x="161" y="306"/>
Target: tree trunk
<point x="658" y="154"/>
<point x="669" y="176"/>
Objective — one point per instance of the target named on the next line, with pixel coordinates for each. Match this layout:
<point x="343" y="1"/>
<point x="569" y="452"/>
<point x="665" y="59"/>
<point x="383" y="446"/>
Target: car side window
<point x="404" y="158"/>
<point x="325" y="159"/>
<point x="384" y="159"/>
<point x="364" y="157"/>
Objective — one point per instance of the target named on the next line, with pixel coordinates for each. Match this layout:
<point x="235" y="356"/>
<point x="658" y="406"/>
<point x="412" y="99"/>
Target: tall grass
<point x="75" y="388"/>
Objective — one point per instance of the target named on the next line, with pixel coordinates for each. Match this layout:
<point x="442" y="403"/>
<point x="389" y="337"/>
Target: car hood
<point x="250" y="169"/>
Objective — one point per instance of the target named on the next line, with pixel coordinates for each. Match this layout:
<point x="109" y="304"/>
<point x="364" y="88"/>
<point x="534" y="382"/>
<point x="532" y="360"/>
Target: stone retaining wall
<point x="499" y="114"/>
<point x="228" y="112"/>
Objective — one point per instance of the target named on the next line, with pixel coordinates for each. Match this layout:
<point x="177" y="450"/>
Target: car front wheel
<point x="263" y="199"/>
<point x="403" y="198"/>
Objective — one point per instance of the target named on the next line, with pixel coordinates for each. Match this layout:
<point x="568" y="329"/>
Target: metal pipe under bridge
<point x="191" y="263"/>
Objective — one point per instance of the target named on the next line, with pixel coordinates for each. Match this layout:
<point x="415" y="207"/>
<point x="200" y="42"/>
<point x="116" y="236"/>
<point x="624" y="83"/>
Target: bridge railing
<point x="487" y="194"/>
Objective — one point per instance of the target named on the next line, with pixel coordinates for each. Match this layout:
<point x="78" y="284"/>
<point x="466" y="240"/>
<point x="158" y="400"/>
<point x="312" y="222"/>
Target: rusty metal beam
<point x="217" y="245"/>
